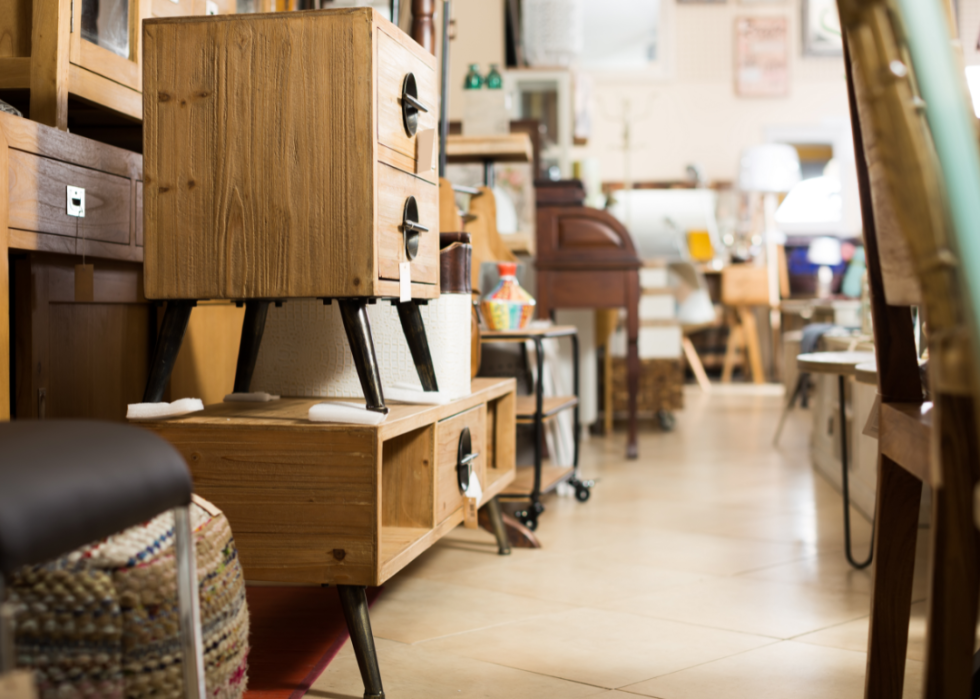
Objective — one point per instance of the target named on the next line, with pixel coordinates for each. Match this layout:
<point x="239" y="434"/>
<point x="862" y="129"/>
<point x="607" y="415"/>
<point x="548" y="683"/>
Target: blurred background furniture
<point x="586" y="259"/>
<point x="536" y="409"/>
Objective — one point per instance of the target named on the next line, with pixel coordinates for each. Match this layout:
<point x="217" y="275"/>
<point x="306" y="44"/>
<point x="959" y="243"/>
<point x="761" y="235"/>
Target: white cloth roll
<point x="347" y="413"/>
<point x="156" y="411"/>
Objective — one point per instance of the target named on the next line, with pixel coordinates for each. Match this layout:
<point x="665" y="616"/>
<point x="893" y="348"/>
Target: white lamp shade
<point x="771" y="167"/>
<point x="824" y="251"/>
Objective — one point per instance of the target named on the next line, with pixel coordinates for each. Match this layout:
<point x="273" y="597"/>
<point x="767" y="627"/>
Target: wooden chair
<point x="900" y="175"/>
<point x="742" y="287"/>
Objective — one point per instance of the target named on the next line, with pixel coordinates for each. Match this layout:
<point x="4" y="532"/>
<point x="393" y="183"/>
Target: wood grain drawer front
<point x="448" y="495"/>
<point x="394" y="63"/>
<point x="394" y="189"/>
<point x="38" y="199"/>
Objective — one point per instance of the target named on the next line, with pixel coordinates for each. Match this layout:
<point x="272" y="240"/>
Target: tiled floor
<point x="711" y="567"/>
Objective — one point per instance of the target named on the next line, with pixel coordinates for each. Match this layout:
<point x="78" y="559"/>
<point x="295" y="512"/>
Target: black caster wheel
<point x="528" y="519"/>
<point x="666" y="420"/>
<point x="537" y="508"/>
<point x="582" y="492"/>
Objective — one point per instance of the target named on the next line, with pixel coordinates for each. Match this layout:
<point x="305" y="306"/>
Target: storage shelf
<point x="551" y="406"/>
<point x="505" y="148"/>
<point x="551" y="476"/>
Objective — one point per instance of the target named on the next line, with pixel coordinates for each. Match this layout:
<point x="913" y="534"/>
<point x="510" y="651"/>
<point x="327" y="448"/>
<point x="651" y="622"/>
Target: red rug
<point x="295" y="633"/>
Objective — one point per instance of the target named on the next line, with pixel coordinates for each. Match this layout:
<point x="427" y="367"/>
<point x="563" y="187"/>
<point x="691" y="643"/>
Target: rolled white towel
<point x="156" y="411"/>
<point x="407" y="393"/>
<point x="256" y="397"/>
<point x="348" y="413"/>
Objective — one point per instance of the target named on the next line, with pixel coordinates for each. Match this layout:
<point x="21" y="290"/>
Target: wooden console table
<point x="347" y="505"/>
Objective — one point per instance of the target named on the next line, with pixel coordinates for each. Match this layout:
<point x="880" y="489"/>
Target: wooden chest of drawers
<point x="343" y="504"/>
<point x="280" y="157"/>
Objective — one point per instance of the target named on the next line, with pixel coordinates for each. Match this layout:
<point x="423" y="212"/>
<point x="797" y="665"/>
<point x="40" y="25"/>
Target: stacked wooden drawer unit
<point x="281" y="156"/>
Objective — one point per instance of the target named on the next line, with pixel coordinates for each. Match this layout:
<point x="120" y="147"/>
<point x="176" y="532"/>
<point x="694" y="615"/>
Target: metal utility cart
<point x="536" y="409"/>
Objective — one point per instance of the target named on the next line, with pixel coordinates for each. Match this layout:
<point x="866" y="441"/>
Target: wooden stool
<point x="841" y="364"/>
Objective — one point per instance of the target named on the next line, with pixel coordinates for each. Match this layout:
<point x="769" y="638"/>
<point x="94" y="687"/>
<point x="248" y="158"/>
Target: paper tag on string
<point x="471" y="506"/>
<point x="404" y="282"/>
<point x="425" y="158"/>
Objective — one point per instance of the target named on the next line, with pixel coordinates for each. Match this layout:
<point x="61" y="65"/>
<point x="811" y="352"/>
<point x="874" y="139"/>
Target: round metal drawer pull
<point x="411" y="227"/>
<point x="465" y="456"/>
<point x="411" y="105"/>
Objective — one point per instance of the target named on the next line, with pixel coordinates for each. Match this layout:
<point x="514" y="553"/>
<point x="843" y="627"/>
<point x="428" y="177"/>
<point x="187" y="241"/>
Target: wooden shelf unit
<point x="326" y="503"/>
<point x="526" y="486"/>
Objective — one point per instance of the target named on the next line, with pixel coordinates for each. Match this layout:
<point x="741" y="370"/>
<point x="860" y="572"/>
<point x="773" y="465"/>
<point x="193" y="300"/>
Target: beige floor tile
<point x="410" y="672"/>
<point x="415" y="609"/>
<point x="573" y="579"/>
<point x="700" y="553"/>
<point x="779" y="671"/>
<point x="750" y="606"/>
<point x="602" y="648"/>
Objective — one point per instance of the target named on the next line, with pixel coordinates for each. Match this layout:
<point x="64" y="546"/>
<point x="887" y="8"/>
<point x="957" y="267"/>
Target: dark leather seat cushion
<point x="67" y="483"/>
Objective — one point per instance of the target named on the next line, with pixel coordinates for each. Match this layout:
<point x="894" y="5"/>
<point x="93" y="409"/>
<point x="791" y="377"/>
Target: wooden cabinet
<point x="88" y="50"/>
<point x="281" y="157"/>
<point x="342" y="504"/>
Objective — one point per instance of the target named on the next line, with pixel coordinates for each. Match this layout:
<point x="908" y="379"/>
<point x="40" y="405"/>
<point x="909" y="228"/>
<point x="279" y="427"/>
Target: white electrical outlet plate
<point x="76" y="201"/>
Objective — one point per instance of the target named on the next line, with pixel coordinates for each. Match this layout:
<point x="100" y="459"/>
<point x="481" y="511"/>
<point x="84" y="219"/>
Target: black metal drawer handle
<point x="412" y="228"/>
<point x="411" y="106"/>
<point x="465" y="456"/>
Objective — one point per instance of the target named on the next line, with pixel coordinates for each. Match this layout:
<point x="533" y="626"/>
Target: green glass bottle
<point x="473" y="79"/>
<point x="495" y="80"/>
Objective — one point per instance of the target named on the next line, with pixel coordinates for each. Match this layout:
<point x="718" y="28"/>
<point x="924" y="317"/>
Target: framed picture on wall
<point x="821" y="29"/>
<point x="762" y="56"/>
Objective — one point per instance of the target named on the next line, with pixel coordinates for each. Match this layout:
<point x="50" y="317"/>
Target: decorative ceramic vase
<point x="508" y="306"/>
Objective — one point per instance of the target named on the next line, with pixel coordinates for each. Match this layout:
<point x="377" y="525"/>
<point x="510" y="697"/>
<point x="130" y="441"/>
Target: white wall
<point x="695" y="116"/>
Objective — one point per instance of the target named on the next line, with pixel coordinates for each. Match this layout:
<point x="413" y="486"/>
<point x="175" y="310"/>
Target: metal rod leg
<point x="800" y="382"/>
<point x="168" y="345"/>
<point x="7" y="654"/>
<point x="845" y="485"/>
<point x="497" y="522"/>
<point x="353" y="601"/>
<point x="358" y="327"/>
<point x="248" y="349"/>
<point x="411" y="317"/>
<point x="188" y="598"/>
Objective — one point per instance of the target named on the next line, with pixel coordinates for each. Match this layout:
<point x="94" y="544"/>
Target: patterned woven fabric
<point x="103" y="621"/>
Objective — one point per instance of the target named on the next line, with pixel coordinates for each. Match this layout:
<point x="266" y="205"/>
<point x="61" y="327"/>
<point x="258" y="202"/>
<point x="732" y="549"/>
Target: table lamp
<point x="825" y="252"/>
<point x="771" y="169"/>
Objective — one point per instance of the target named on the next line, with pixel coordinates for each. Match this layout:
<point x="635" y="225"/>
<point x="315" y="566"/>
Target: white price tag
<point x="404" y="282"/>
<point x="471" y="507"/>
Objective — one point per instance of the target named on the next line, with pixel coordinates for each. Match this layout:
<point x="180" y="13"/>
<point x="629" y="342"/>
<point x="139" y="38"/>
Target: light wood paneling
<point x="51" y="26"/>
<point x="407" y="484"/>
<point x="101" y="90"/>
<point x="205" y="366"/>
<point x="15" y="28"/>
<point x="15" y="73"/>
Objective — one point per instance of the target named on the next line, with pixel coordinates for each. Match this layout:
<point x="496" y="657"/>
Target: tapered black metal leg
<point x="168" y="345"/>
<point x="845" y="486"/>
<point x="353" y="601"/>
<point x="499" y="530"/>
<point x="358" y="327"/>
<point x="248" y="350"/>
<point x="411" y="318"/>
